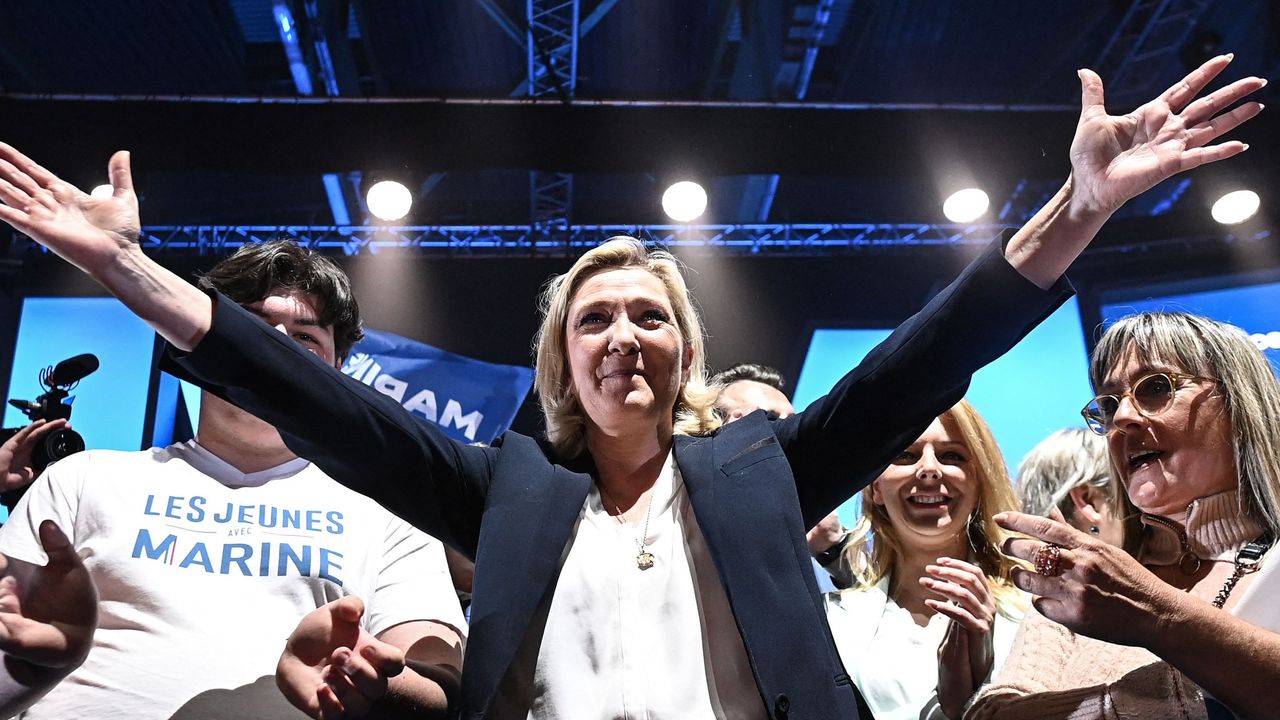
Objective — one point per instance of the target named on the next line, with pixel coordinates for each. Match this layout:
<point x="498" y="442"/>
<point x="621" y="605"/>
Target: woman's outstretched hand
<point x="86" y="231"/>
<point x="100" y="236"/>
<point x="1117" y="157"/>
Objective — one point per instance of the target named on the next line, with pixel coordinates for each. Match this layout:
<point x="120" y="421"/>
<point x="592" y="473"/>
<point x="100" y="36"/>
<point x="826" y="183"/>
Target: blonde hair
<point x="874" y="545"/>
<point x="694" y="410"/>
<point x="1247" y="382"/>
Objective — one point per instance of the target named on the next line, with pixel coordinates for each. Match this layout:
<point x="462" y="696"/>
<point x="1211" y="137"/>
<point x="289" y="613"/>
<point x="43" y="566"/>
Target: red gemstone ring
<point x="1048" y="559"/>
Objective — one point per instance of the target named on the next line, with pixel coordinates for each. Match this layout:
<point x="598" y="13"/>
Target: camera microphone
<point x="72" y="370"/>
<point x="49" y="407"/>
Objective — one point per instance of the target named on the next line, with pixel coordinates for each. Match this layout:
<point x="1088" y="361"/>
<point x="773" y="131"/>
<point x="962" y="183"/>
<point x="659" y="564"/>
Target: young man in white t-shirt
<point x="207" y="554"/>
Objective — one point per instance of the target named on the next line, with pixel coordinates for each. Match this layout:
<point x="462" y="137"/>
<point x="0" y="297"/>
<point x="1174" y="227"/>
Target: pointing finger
<point x="1047" y="529"/>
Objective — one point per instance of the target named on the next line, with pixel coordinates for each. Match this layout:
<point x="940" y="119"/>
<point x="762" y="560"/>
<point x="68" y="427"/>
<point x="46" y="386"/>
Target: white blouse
<point x="892" y="660"/>
<point x="616" y="641"/>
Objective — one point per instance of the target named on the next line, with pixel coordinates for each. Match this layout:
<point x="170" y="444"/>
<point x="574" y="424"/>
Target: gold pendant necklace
<point x="644" y="558"/>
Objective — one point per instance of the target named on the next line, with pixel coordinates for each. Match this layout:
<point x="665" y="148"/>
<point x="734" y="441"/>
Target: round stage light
<point x="1236" y="207"/>
<point x="966" y="205"/>
<point x="101" y="192"/>
<point x="389" y="200"/>
<point x="684" y="201"/>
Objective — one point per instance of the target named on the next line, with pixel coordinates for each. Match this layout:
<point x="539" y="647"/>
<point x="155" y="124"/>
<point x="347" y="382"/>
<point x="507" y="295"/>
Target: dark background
<point x="903" y="102"/>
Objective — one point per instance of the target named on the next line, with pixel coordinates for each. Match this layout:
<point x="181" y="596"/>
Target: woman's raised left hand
<point x="1096" y="589"/>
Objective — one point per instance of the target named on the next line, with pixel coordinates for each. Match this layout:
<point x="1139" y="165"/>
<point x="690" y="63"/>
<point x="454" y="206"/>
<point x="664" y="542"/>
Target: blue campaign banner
<point x="472" y="401"/>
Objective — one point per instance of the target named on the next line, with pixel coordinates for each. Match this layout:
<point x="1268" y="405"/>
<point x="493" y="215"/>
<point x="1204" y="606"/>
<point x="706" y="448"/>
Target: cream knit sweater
<point x="1054" y="674"/>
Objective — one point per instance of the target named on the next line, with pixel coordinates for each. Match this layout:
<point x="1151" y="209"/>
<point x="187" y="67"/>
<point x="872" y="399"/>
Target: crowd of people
<point x="663" y="551"/>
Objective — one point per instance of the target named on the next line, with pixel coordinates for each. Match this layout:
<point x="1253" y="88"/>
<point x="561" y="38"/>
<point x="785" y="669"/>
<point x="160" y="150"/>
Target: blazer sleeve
<point x="355" y="434"/>
<point x="842" y="441"/>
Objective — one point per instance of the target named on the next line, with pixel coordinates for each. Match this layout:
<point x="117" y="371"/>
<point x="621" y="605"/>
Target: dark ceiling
<point x="820" y="127"/>
<point x="790" y="111"/>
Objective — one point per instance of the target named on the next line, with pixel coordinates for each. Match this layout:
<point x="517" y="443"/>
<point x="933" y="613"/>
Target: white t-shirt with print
<point x="203" y="571"/>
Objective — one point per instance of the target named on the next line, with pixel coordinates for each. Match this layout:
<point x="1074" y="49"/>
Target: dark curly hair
<point x="256" y="269"/>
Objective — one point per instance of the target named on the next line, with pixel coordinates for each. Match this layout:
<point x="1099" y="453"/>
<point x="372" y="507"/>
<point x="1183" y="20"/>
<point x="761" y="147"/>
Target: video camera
<point x="58" y="380"/>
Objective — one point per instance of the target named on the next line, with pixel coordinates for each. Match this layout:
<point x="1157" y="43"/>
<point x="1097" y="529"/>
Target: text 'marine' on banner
<point x="472" y="401"/>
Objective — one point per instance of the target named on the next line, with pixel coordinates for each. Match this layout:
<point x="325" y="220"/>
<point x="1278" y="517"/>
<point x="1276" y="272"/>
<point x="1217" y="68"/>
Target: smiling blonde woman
<point x="933" y="589"/>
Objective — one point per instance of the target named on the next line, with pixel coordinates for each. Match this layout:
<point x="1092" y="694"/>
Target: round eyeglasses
<point x="1151" y="394"/>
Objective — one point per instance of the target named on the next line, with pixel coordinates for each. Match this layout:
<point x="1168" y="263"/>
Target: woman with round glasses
<point x="932" y="589"/>
<point x="1184" y="621"/>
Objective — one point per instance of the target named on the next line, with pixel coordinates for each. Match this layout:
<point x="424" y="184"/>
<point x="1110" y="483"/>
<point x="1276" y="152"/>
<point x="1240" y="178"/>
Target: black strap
<point x="1248" y="558"/>
<point x="1251" y="554"/>
<point x="831" y="554"/>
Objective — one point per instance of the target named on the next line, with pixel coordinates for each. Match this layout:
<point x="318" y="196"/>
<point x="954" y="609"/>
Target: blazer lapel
<point x="530" y="513"/>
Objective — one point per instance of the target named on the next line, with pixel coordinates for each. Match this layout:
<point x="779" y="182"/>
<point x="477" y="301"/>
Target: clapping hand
<point x="966" y="654"/>
<point x="332" y="667"/>
<point x="48" y="613"/>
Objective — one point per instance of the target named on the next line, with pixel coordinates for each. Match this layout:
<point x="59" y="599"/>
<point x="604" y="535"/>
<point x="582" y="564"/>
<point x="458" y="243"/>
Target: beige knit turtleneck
<point x="1216" y="528"/>
<point x="1054" y="673"/>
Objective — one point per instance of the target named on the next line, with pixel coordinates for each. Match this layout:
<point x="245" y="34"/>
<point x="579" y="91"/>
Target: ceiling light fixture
<point x="389" y="200"/>
<point x="1236" y="207"/>
<point x="966" y="205"/>
<point x="684" y="201"/>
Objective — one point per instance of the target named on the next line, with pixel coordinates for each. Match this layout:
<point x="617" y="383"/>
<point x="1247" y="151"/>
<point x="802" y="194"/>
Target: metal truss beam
<point x="809" y="24"/>
<point x="1148" y="38"/>
<point x="774" y="64"/>
<point x="570" y="241"/>
<point x="550" y="42"/>
<point x="317" y="49"/>
<point x="807" y="33"/>
<point x="1136" y="58"/>
<point x="500" y="17"/>
<point x="551" y="199"/>
<point x="551" y="47"/>
<point x="596" y="16"/>
<point x="762" y="240"/>
<point x="512" y="31"/>
<point x="1133" y="62"/>
<point x="551" y="50"/>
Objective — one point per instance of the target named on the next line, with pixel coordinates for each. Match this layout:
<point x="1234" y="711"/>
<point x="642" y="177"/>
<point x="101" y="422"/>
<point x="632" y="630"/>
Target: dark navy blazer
<point x="755" y="485"/>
